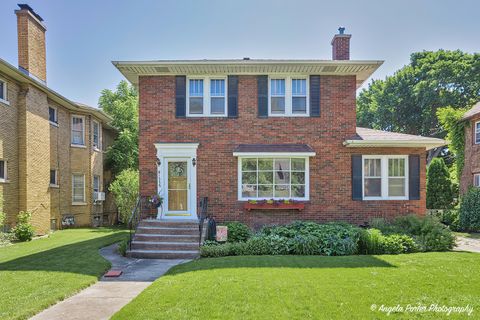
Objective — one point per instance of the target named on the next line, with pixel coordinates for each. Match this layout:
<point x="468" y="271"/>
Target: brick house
<point x="241" y="132"/>
<point x="51" y="148"/>
<point x="471" y="170"/>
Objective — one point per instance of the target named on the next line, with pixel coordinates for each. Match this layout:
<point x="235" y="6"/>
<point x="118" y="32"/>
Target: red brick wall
<point x="472" y="156"/>
<point x="341" y="47"/>
<point x="330" y="169"/>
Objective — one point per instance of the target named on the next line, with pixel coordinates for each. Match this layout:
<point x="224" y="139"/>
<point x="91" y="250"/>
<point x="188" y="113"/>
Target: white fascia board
<point x="274" y="154"/>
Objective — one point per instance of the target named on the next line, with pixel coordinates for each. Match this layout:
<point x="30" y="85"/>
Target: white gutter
<point x="421" y="143"/>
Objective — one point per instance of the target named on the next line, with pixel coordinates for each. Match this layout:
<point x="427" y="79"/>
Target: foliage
<point x="439" y="186"/>
<point x="427" y="232"/>
<point x="449" y="217"/>
<point x="257" y="246"/>
<point x="3" y="216"/>
<point x="408" y="100"/>
<point x="125" y="189"/>
<point x="24" y="231"/>
<point x="212" y="249"/>
<point x="450" y="120"/>
<point x="122" y="106"/>
<point x="469" y="219"/>
<point x="122" y="247"/>
<point x="238" y="232"/>
<point x="370" y="241"/>
<point x="398" y="243"/>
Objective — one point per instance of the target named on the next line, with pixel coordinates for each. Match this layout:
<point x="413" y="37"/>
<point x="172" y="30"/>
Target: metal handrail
<point x="133" y="220"/>
<point x="202" y="217"/>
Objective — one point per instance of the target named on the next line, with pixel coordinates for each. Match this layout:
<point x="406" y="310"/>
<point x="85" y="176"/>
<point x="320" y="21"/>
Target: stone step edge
<point x="163" y="251"/>
<point x="165" y="243"/>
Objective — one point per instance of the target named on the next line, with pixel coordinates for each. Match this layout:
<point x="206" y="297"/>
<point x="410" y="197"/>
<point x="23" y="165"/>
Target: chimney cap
<point x="24" y="6"/>
<point x="246" y="58"/>
<point x="341" y="30"/>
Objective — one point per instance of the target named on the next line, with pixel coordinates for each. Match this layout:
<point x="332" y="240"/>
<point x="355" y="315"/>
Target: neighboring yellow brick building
<point x="51" y="149"/>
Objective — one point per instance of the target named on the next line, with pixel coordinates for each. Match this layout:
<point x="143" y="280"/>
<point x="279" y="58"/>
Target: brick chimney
<point x="341" y="45"/>
<point x="31" y="43"/>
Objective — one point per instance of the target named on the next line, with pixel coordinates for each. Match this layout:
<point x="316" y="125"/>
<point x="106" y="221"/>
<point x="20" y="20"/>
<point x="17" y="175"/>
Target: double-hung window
<point x="207" y="97"/>
<point x="96" y="135"/>
<point x="288" y="96"/>
<point x="53" y="177"/>
<point x="78" y="130"/>
<point x="476" y="180"/>
<point x="53" y="115"/>
<point x="477" y="132"/>
<point x="385" y="178"/>
<point x="78" y="188"/>
<point x="3" y="91"/>
<point x="273" y="178"/>
<point x="3" y="171"/>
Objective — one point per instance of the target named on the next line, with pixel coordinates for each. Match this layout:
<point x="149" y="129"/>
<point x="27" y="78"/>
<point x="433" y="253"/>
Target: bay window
<point x="273" y="178"/>
<point x="288" y="96"/>
<point x="207" y="97"/>
<point x="385" y="177"/>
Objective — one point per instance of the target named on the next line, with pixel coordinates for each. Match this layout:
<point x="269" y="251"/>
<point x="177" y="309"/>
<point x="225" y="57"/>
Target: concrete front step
<point x="154" y="245"/>
<point x="166" y="237"/>
<point x="169" y="223"/>
<point x="163" y="254"/>
<point x="168" y="230"/>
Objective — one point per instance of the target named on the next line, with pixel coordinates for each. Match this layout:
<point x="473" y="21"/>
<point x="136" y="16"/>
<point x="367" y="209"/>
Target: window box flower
<point x="273" y="205"/>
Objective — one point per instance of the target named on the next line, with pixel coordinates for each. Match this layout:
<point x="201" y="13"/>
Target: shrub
<point x="212" y="250"/>
<point x="398" y="243"/>
<point x="23" y="231"/>
<point x="257" y="246"/>
<point x="439" y="185"/>
<point x="370" y="242"/>
<point x="469" y="216"/>
<point x="304" y="245"/>
<point x="125" y="190"/>
<point x="122" y="247"/>
<point x="278" y="245"/>
<point x="238" y="232"/>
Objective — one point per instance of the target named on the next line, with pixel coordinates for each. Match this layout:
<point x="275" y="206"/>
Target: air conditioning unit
<point x="98" y="196"/>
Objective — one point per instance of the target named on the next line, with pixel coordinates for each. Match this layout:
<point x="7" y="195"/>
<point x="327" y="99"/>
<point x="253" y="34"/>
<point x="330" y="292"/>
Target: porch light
<point x="194" y="162"/>
<point x="158" y="162"/>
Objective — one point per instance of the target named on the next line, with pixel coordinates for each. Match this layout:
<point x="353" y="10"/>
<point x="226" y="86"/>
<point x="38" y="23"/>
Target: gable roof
<point x="18" y="75"/>
<point x="361" y="69"/>
<point x="472" y="112"/>
<point x="366" y="137"/>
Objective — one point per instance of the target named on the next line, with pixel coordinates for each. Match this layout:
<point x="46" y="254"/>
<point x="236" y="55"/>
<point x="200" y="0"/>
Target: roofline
<point x="419" y="143"/>
<point x="18" y="75"/>
<point x="247" y="61"/>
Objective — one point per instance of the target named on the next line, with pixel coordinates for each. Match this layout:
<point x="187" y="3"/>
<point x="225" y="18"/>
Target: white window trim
<point x="83" y="130"/>
<point x="475" y="132"/>
<point x="99" y="146"/>
<point x="384" y="176"/>
<point x="288" y="96"/>
<point x="276" y="156"/>
<point x="4" y="100"/>
<point x="55" y="185"/>
<point x="55" y="124"/>
<point x="206" y="97"/>
<point x="84" y="202"/>
<point x="475" y="175"/>
<point x="5" y="170"/>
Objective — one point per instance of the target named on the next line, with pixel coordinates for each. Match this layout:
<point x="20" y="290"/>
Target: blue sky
<point x="84" y="36"/>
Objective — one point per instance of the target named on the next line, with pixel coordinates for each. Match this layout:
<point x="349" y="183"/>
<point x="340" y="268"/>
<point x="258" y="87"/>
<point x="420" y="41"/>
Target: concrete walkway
<point x="468" y="244"/>
<point x="104" y="298"/>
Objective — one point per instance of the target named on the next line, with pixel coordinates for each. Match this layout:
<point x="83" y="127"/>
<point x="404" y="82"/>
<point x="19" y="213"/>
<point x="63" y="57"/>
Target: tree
<point x="125" y="189"/>
<point x="408" y="100"/>
<point x="122" y="106"/>
<point x="439" y="185"/>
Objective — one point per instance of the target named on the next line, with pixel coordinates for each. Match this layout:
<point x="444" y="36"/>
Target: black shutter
<point x="414" y="177"/>
<point x="314" y="96"/>
<point x="232" y="96"/>
<point x="262" y="88"/>
<point x="357" y="177"/>
<point x="180" y="96"/>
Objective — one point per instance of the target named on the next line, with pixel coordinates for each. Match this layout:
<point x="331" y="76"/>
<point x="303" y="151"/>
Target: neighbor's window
<point x="384" y="177"/>
<point x="96" y="183"/>
<point x="288" y="96"/>
<point x="477" y="132"/>
<point x="476" y="179"/>
<point x="3" y="170"/>
<point x="53" y="177"/>
<point x="3" y="90"/>
<point x="52" y="115"/>
<point x="78" y="130"/>
<point x="207" y="97"/>
<point x="96" y="134"/>
<point x="273" y="178"/>
<point x="78" y="188"/>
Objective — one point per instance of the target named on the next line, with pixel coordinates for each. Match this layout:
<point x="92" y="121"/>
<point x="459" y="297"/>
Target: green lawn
<point x="311" y="287"/>
<point x="36" y="274"/>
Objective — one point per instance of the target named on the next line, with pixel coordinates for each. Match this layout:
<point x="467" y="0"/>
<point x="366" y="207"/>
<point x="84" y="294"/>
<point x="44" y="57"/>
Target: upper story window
<point x="78" y="130"/>
<point x="53" y="115"/>
<point x="53" y="177"/>
<point x="288" y="96"/>
<point x="3" y="171"/>
<point x="476" y="180"/>
<point x="3" y="92"/>
<point x="78" y="188"/>
<point x="206" y="97"/>
<point x="385" y="177"/>
<point x="97" y="136"/>
<point x="477" y="132"/>
<point x="96" y="183"/>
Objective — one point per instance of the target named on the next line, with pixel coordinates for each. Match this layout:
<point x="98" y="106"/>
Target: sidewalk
<point x="468" y="244"/>
<point x="104" y="298"/>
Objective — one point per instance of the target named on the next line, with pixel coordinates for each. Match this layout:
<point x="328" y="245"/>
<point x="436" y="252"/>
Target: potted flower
<point x="155" y="201"/>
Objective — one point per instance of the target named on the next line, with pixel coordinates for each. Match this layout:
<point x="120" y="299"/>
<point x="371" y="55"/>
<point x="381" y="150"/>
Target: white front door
<point x="180" y="198"/>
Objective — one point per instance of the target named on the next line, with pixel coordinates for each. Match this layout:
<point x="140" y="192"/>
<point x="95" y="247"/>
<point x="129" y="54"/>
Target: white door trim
<point x="187" y="151"/>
